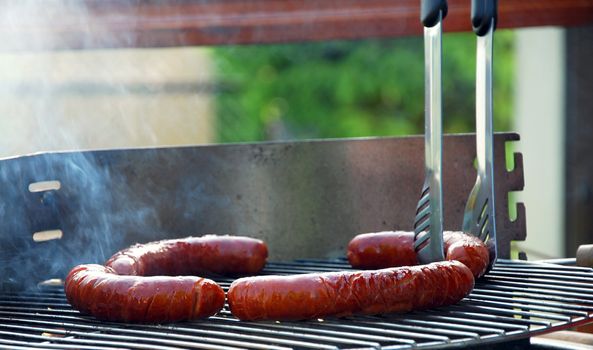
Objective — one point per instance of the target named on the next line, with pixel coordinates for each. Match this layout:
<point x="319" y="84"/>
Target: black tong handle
<point x="429" y="11"/>
<point x="483" y="13"/>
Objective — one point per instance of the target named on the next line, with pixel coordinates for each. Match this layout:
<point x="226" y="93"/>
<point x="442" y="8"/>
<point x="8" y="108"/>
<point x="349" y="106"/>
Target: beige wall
<point x="104" y="99"/>
<point x="540" y="119"/>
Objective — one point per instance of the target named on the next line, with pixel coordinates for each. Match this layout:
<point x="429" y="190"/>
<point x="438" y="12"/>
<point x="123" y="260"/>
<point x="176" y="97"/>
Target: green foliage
<point x="347" y="89"/>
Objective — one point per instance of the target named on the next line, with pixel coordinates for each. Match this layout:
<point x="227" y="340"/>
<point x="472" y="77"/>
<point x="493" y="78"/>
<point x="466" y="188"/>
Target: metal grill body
<point x="515" y="300"/>
<point x="316" y="195"/>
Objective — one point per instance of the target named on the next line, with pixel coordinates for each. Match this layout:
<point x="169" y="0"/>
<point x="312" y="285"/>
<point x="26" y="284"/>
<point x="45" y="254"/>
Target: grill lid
<point x="515" y="300"/>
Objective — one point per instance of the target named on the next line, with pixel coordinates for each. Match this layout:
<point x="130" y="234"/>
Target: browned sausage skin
<point x="317" y="295"/>
<point x="97" y="290"/>
<point x="225" y="255"/>
<point x="469" y="250"/>
<point x="121" y="290"/>
<point x="382" y="249"/>
<point x="396" y="248"/>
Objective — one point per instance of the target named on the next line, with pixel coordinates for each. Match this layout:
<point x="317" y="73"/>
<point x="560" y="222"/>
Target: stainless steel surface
<point x="560" y="261"/>
<point x="515" y="300"/>
<point x="305" y="199"/>
<point x="479" y="217"/>
<point x="428" y="223"/>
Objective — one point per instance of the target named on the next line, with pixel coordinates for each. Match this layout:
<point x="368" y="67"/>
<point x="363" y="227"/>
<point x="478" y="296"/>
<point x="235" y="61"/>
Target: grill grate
<point x="515" y="300"/>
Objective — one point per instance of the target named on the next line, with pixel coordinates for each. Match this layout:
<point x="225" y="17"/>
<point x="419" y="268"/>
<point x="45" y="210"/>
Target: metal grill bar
<point x="515" y="300"/>
<point x="574" y="275"/>
<point x="456" y="321"/>
<point x="144" y="333"/>
<point x="84" y="341"/>
<point x="245" y="327"/>
<point x="563" y="307"/>
<point x="24" y="345"/>
<point x="545" y="286"/>
<point x="513" y="311"/>
<point x="455" y="326"/>
<point x="519" y="294"/>
<point x="365" y="336"/>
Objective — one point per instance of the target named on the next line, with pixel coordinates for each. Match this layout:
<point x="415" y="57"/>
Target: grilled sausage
<point x="382" y="249"/>
<point x="396" y="248"/>
<point x="318" y="295"/>
<point x="99" y="291"/>
<point x="124" y="291"/>
<point x="225" y="255"/>
<point x="469" y="250"/>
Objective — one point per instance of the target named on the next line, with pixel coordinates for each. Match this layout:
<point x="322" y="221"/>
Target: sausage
<point x="396" y="248"/>
<point x="97" y="290"/>
<point x="468" y="249"/>
<point x="317" y="295"/>
<point x="135" y="283"/>
<point x="226" y="255"/>
<point x="382" y="249"/>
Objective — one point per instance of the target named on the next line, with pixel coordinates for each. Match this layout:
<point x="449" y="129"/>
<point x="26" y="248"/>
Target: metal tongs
<point x="428" y="224"/>
<point x="479" y="216"/>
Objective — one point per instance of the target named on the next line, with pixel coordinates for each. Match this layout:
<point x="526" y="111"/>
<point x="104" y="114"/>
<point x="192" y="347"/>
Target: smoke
<point x="34" y="118"/>
<point x="49" y="71"/>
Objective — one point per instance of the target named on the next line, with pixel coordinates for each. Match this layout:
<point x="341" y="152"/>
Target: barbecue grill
<point x="306" y="199"/>
<point x="354" y="185"/>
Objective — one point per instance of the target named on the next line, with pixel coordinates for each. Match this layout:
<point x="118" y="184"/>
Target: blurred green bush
<point x="351" y="88"/>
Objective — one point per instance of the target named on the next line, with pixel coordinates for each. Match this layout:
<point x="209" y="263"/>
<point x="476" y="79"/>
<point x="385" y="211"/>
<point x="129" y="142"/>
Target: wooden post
<point x="579" y="138"/>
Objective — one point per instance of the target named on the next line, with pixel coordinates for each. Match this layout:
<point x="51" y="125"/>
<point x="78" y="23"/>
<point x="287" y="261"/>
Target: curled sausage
<point x="97" y="290"/>
<point x="318" y="295"/>
<point x="226" y="255"/>
<point x="136" y="283"/>
<point x="396" y="248"/>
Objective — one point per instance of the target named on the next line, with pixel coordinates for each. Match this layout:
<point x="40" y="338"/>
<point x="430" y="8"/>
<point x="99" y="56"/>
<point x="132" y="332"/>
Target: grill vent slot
<point x="49" y="235"/>
<point x="43" y="186"/>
